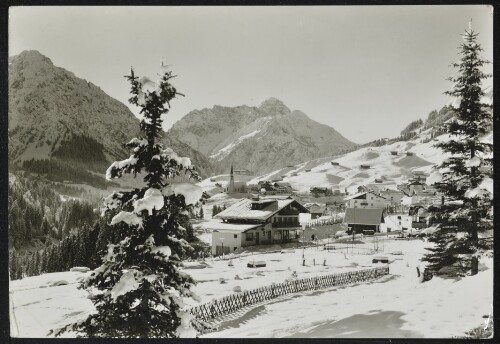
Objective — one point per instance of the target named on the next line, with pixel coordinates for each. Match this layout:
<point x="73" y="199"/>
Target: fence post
<point x="227" y="304"/>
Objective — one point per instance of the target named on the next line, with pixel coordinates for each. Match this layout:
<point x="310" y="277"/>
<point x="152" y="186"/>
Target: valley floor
<point x="394" y="306"/>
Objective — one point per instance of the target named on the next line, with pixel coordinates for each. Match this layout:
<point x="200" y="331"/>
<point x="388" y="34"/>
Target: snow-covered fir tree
<point x="465" y="178"/>
<point x="138" y="290"/>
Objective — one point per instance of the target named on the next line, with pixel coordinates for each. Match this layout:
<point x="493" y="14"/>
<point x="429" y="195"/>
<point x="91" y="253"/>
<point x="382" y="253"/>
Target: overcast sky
<point x="366" y="71"/>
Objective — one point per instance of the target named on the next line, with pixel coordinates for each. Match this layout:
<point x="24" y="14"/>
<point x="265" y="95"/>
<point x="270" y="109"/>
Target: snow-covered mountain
<point x="385" y="165"/>
<point x="259" y="139"/>
<point x="68" y="122"/>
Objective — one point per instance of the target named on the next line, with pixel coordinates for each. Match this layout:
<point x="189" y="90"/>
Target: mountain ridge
<point x="259" y="139"/>
<point x="53" y="113"/>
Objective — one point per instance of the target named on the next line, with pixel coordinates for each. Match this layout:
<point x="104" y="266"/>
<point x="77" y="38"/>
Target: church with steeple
<point x="235" y="186"/>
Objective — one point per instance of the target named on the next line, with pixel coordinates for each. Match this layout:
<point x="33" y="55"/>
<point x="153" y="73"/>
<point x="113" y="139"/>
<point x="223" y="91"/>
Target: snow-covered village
<point x="309" y="173"/>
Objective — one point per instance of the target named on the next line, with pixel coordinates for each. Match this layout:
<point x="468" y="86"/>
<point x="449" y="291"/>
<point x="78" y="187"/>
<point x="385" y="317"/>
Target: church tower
<point x="230" y="188"/>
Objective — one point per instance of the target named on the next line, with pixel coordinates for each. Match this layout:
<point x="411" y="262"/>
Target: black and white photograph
<point x="250" y="171"/>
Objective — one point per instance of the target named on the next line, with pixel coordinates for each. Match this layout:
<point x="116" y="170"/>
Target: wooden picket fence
<point x="235" y="302"/>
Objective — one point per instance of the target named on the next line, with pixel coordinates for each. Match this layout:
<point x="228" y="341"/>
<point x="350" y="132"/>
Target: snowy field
<point x="393" y="306"/>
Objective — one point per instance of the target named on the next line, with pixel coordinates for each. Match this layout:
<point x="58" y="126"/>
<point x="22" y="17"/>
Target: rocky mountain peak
<point x="274" y="106"/>
<point x="55" y="115"/>
<point x="33" y="56"/>
<point x="260" y="139"/>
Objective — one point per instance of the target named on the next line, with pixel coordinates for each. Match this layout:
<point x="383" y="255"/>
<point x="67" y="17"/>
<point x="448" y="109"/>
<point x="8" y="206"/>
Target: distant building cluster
<point x="370" y="209"/>
<point x="269" y="212"/>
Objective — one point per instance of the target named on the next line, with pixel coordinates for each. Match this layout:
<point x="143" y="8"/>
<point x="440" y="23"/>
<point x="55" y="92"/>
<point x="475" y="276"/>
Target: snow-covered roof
<point x="361" y="194"/>
<point x="242" y="210"/>
<point x="273" y="197"/>
<point x="391" y="191"/>
<point x="230" y="227"/>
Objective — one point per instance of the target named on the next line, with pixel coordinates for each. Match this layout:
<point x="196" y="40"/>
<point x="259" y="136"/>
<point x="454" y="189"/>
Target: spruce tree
<point x="140" y="287"/>
<point x="13" y="265"/>
<point x="43" y="261"/>
<point x="36" y="264"/>
<point x="45" y="227"/>
<point x="201" y="213"/>
<point x="465" y="178"/>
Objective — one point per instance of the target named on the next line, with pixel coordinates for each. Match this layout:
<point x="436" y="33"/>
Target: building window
<point x="234" y="248"/>
<point x="249" y="236"/>
<point x="236" y="236"/>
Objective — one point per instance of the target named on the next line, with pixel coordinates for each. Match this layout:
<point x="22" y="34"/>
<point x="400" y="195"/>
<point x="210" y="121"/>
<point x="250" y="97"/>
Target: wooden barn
<point x="363" y="219"/>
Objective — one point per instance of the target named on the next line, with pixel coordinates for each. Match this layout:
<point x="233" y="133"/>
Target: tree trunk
<point x="474" y="266"/>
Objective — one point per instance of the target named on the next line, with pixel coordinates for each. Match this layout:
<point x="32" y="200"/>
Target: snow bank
<point x="437" y="308"/>
<point x="395" y="306"/>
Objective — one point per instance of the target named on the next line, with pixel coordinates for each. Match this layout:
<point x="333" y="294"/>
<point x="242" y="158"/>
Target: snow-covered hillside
<point x="393" y="306"/>
<point x="391" y="169"/>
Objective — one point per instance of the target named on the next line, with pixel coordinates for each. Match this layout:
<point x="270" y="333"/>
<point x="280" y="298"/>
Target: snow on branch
<point x="153" y="199"/>
<point x="135" y="142"/>
<point x="126" y="284"/>
<point x="474" y="162"/>
<point x="113" y="201"/>
<point x="163" y="251"/>
<point x="192" y="193"/>
<point x="435" y="177"/>
<point x="484" y="189"/>
<point x="129" y="218"/>
<point x="116" y="168"/>
<point x="183" y="161"/>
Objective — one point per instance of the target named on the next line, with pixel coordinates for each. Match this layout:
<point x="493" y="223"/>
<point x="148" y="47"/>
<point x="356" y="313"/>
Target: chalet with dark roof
<point x="251" y="222"/>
